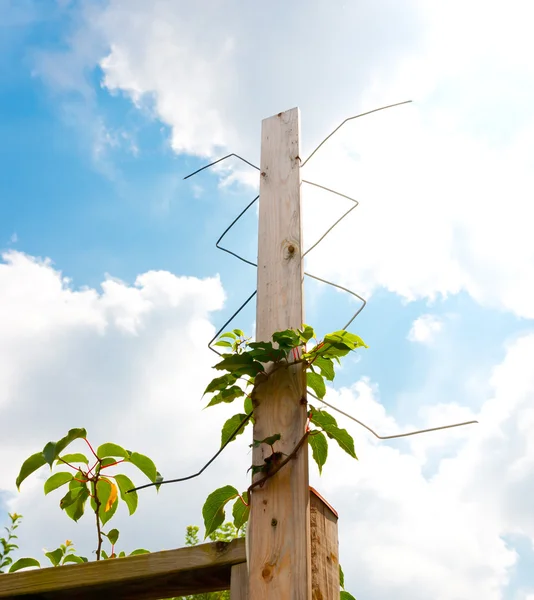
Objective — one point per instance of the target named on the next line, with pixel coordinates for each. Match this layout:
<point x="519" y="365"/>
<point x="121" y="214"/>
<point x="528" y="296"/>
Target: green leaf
<point x="73" y="434"/>
<point x="341" y="577"/>
<point x="319" y="446"/>
<point x="248" y="405"/>
<point x="72" y="458"/>
<point x="122" y="554"/>
<point x="110" y="449"/>
<point x="144" y="464"/>
<point x="57" y="480"/>
<point x="265" y="352"/>
<point x="103" y="492"/>
<point x="220" y="383"/>
<point x="228" y="432"/>
<point x="306" y="333"/>
<point x="240" y="511"/>
<point x="344" y="595"/>
<point x="24" y="563"/>
<point x="139" y="551"/>
<point x="55" y="556"/>
<point x="113" y="536"/>
<point x="106" y="515"/>
<point x="228" y="395"/>
<point x="326" y="366"/>
<point x="346" y="339"/>
<point x="106" y="462"/>
<point x="70" y="497"/>
<point x="31" y="464"/>
<point x="228" y="334"/>
<point x="239" y="333"/>
<point x="327" y="422"/>
<point x="316" y="383"/>
<point x="50" y="453"/>
<point x="239" y="364"/>
<point x="213" y="509"/>
<point x="224" y="343"/>
<point x="270" y="440"/>
<point x="76" y="509"/>
<point x="124" y="484"/>
<point x="104" y="555"/>
<point x="72" y="558"/>
<point x="286" y="339"/>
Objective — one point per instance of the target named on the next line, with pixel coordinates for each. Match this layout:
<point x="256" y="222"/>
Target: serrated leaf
<point x="144" y="464"/>
<point x="326" y="366"/>
<point x="113" y="536"/>
<point x="229" y="431"/>
<point x="24" y="563"/>
<point x="344" y="595"/>
<point x="31" y="464"/>
<point x="57" y="480"/>
<point x="139" y="551"/>
<point x="50" y="453"/>
<point x="55" y="556"/>
<point x="227" y="396"/>
<point x="220" y="383"/>
<point x="213" y="509"/>
<point x="73" y="434"/>
<point x="319" y="446"/>
<point x="131" y="499"/>
<point x="72" y="458"/>
<point x="110" y="449"/>
<point x="326" y="421"/>
<point x="240" y="511"/>
<point x="316" y="383"/>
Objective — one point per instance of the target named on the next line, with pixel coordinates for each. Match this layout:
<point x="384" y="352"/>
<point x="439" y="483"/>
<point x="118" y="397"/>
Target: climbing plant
<point x="244" y="366"/>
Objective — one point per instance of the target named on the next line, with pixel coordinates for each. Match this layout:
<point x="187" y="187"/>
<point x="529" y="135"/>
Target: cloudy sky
<point x="110" y="284"/>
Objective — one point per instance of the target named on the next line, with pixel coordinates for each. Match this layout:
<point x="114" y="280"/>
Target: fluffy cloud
<point x="444" y="185"/>
<point x="420" y="518"/>
<point x="415" y="527"/>
<point x="425" y="328"/>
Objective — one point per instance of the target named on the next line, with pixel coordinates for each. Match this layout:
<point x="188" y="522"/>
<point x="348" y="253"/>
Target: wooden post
<point x="279" y="526"/>
<point x="324" y="549"/>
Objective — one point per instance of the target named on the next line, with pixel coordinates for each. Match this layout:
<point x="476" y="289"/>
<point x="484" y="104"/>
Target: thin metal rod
<point x="340" y="218"/>
<point x="350" y="119"/>
<point x="229" y="321"/>
<point x="340" y="287"/>
<point x="389" y="437"/>
<point x="228" y="229"/>
<point x="220" y="160"/>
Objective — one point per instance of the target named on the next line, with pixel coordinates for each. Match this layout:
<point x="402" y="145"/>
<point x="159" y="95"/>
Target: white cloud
<point x="130" y="362"/>
<point x="425" y="328"/>
<point x="444" y="184"/>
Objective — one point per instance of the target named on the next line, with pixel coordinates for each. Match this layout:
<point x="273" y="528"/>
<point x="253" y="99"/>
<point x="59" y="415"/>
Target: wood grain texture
<point x="191" y="570"/>
<point x="279" y="523"/>
<point x="239" y="582"/>
<point x="324" y="549"/>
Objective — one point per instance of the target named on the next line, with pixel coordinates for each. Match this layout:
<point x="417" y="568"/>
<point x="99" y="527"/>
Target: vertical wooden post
<point x="239" y="582"/>
<point x="279" y="527"/>
<point x="324" y="549"/>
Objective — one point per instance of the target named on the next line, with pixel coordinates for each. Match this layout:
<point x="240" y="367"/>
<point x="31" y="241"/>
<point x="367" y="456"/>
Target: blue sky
<point x="100" y="122"/>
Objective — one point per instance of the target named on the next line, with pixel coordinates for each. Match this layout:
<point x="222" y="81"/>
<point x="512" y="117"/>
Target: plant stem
<point x="98" y="530"/>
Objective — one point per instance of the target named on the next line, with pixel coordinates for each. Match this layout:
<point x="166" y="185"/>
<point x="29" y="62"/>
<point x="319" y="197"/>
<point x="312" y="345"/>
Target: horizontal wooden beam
<point x="192" y="570"/>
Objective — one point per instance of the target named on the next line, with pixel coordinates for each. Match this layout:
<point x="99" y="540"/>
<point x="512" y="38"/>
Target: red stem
<point x="91" y="448"/>
<point x="112" y="464"/>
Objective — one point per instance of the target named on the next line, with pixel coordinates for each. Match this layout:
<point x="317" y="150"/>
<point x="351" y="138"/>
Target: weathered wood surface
<point x="239" y="582"/>
<point x="279" y="527"/>
<point x="324" y="549"/>
<point x="192" y="570"/>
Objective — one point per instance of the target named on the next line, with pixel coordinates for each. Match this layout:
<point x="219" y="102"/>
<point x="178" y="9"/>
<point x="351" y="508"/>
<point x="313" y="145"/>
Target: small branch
<point x="113" y="464"/>
<point x="98" y="530"/>
<point x="68" y="464"/>
<point x="275" y="470"/>
<point x="91" y="448"/>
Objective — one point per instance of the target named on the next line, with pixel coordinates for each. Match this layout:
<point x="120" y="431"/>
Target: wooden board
<point x="192" y="570"/>
<point x="279" y="523"/>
